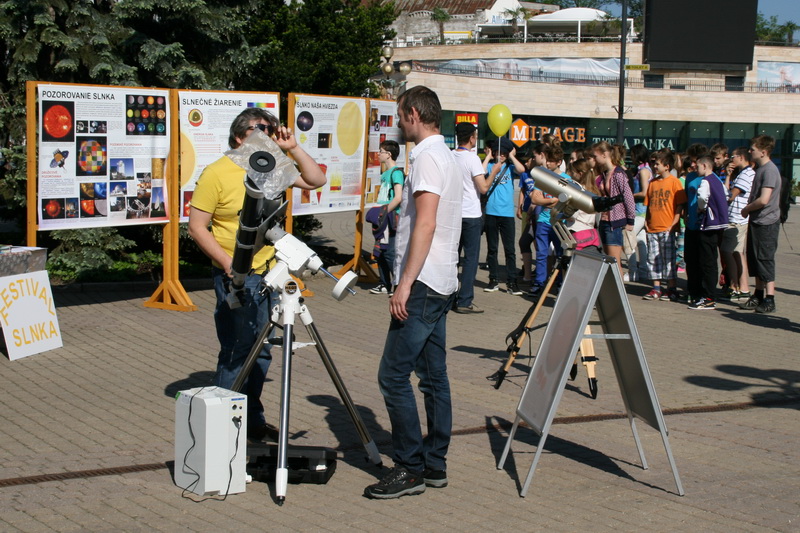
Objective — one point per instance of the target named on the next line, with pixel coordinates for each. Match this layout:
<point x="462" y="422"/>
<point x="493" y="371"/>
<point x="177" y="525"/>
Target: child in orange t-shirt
<point x="665" y="200"/>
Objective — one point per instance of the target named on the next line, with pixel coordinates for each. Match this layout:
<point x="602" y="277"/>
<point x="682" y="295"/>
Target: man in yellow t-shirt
<point x="217" y="200"/>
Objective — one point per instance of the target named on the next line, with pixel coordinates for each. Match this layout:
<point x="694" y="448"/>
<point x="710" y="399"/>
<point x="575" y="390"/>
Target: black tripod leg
<point x="252" y="356"/>
<point x="520" y="340"/>
<point x="358" y="422"/>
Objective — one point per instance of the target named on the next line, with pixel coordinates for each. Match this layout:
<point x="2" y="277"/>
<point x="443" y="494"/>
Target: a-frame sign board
<point x="591" y="280"/>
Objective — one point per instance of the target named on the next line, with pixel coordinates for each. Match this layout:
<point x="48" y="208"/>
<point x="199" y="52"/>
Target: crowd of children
<point x="690" y="212"/>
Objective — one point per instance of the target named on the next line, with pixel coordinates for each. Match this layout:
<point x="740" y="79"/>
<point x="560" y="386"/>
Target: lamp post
<point x="621" y="108"/>
<point x="387" y="68"/>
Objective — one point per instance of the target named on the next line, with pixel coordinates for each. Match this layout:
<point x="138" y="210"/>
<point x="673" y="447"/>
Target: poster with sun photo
<point x="205" y="123"/>
<point x="94" y="143"/>
<point x="332" y="130"/>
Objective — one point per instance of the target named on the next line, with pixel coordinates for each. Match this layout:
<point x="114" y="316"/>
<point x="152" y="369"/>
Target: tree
<point x="323" y="47"/>
<point x="514" y="15"/>
<point x="790" y="27"/>
<point x="768" y="29"/>
<point x="565" y="4"/>
<point x="440" y="16"/>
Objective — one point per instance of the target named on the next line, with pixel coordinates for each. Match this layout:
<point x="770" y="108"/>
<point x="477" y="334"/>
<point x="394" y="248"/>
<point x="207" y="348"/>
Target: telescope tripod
<point x="290" y="306"/>
<point x="517" y="338"/>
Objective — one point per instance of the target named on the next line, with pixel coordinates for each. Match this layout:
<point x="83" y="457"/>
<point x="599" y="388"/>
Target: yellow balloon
<point x="499" y="119"/>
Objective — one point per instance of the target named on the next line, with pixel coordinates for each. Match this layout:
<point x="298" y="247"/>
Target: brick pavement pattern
<point x="106" y="399"/>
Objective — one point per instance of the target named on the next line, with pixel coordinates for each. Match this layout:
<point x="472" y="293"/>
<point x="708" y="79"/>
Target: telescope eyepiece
<point x="604" y="203"/>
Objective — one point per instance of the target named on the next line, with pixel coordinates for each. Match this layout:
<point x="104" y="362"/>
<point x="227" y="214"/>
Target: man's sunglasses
<point x="266" y="128"/>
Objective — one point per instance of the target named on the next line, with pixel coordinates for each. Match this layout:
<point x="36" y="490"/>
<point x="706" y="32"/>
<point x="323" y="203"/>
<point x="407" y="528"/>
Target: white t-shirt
<point x="743" y="182"/>
<point x="433" y="169"/>
<point x="470" y="166"/>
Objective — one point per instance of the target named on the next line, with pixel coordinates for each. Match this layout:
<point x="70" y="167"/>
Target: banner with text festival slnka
<point x="28" y="314"/>
<point x="102" y="156"/>
<point x="205" y="122"/>
<point x="332" y="131"/>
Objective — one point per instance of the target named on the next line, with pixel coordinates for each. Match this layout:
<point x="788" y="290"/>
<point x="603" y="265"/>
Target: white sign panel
<point x="331" y="130"/>
<point x="102" y="156"/>
<point x="382" y="127"/>
<point x="205" y="122"/>
<point x="28" y="314"/>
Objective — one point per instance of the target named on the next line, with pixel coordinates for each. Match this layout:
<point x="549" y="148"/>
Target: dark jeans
<point x="417" y="345"/>
<point x="501" y="228"/>
<point x="691" y="257"/>
<point x="237" y="330"/>
<point x="471" y="245"/>
<point x="386" y="264"/>
<point x="709" y="245"/>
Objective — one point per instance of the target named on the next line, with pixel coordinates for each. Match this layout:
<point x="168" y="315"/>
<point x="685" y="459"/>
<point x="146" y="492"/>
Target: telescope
<point x="571" y="195"/>
<point x="269" y="173"/>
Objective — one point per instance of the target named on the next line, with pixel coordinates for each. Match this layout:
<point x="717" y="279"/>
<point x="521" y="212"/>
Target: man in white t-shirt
<point x="427" y="278"/>
<point x="475" y="184"/>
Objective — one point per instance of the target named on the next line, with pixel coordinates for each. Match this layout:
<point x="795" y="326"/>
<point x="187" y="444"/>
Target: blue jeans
<point x="417" y="345"/>
<point x="544" y="236"/>
<point x="471" y="245"/>
<point x="502" y="227"/>
<point x="386" y="264"/>
<point x="237" y="331"/>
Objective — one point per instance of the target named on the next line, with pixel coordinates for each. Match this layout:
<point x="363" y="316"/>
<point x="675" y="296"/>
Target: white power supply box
<point x="211" y="441"/>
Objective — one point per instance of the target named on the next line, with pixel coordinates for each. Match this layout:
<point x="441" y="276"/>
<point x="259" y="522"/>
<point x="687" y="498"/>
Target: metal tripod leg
<point x="358" y="422"/>
<point x="282" y="471"/>
<point x="517" y="345"/>
<point x="252" y="356"/>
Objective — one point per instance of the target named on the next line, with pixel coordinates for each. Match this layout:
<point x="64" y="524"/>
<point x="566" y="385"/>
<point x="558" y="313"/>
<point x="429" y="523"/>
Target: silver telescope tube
<point x="557" y="185"/>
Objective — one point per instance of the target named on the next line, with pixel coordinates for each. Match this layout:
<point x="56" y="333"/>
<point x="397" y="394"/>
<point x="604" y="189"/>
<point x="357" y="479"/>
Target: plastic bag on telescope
<point x="277" y="180"/>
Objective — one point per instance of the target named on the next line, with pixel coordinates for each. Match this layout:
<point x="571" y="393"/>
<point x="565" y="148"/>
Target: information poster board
<point x="332" y="131"/>
<point x="382" y="127"/>
<point x="28" y="314"/>
<point x="205" y="121"/>
<point x="102" y="156"/>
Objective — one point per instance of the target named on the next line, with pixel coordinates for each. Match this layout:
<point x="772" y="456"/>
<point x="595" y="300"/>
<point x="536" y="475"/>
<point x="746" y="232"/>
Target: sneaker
<point x="435" y="478"/>
<point x="743" y="296"/>
<point x="652" y="295"/>
<point x="470" y="309"/>
<point x="512" y="288"/>
<point x="766" y="306"/>
<point x="703" y="304"/>
<point x="665" y="297"/>
<point x="672" y="295"/>
<point x="752" y="303"/>
<point x="493" y="286"/>
<point x="535" y="291"/>
<point x="380" y="289"/>
<point x="730" y="294"/>
<point x="390" y="291"/>
<point x="398" y="482"/>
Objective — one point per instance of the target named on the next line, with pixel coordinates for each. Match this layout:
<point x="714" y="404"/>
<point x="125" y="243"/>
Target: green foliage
<point x="768" y="30"/>
<point x="320" y="47"/>
<point x="304" y="226"/>
<point x="86" y="253"/>
<point x="440" y="16"/>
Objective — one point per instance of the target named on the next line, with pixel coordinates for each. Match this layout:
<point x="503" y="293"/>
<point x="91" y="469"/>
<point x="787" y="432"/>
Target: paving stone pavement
<point x="729" y="381"/>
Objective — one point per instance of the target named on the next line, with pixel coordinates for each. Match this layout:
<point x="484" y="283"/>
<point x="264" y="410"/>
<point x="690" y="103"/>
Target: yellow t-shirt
<point x="220" y="191"/>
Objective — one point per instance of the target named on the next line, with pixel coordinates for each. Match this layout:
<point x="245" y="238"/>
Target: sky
<point x="785" y="10"/>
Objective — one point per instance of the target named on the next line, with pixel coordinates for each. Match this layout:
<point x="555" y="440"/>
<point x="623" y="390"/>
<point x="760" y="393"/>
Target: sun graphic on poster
<point x="349" y="128"/>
